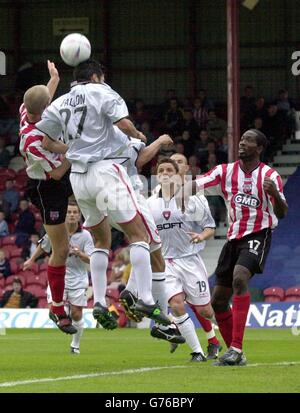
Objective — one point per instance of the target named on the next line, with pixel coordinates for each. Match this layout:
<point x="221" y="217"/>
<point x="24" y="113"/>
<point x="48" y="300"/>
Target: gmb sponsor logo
<point x="246" y="200"/>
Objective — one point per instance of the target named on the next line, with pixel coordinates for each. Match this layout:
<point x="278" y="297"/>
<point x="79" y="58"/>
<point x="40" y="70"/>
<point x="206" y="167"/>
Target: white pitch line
<point x="129" y="371"/>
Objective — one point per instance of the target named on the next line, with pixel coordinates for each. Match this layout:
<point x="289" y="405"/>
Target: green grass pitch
<point x="129" y="360"/>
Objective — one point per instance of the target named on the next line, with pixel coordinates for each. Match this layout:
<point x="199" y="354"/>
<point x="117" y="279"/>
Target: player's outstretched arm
<point x="150" y="151"/>
<point x="127" y="127"/>
<point x="54" y="146"/>
<point x="54" y="79"/>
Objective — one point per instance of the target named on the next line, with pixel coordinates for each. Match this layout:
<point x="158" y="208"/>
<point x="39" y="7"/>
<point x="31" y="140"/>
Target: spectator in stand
<point x="120" y="269"/>
<point x="30" y="247"/>
<point x="200" y="147"/>
<point x="4" y="154"/>
<point x="164" y="106"/>
<point x="5" y="270"/>
<point x="189" y="123"/>
<point x="212" y="150"/>
<point x="205" y="101"/>
<point x="247" y="100"/>
<point x="146" y="130"/>
<point x="188" y="143"/>
<point x="200" y="113"/>
<point x="194" y="168"/>
<point x="179" y="148"/>
<point x="283" y="102"/>
<point x="7" y="121"/>
<point x="10" y="199"/>
<point x="258" y="123"/>
<point x="247" y="107"/>
<point x="17" y="297"/>
<point x="274" y="127"/>
<point x="25" y="223"/>
<point x="3" y="225"/>
<point x="260" y="107"/>
<point x="216" y="127"/>
<point x="224" y="147"/>
<point x="174" y="117"/>
<point x="140" y="114"/>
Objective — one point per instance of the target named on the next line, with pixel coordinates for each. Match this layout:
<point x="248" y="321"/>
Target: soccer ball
<point x="74" y="49"/>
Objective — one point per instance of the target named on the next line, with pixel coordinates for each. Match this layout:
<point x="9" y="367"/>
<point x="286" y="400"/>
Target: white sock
<point x="187" y="330"/>
<point x="159" y="293"/>
<point x="140" y="261"/>
<point x="98" y="265"/>
<point x="76" y="337"/>
<point x="210" y="334"/>
<point x="131" y="283"/>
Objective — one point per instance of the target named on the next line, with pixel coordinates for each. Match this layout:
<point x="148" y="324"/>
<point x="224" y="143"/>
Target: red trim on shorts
<point x="198" y="305"/>
<point x="182" y="292"/>
<point x="148" y="229"/>
<point x="128" y="189"/>
<point x="138" y="212"/>
<point x="94" y="226"/>
<point x="127" y="222"/>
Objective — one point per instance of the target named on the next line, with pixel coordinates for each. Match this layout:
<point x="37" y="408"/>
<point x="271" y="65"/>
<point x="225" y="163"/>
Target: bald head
<point x="36" y="99"/>
<point x="182" y="163"/>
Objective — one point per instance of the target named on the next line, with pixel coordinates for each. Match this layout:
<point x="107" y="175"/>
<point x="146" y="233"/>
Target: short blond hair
<point x="36" y="99"/>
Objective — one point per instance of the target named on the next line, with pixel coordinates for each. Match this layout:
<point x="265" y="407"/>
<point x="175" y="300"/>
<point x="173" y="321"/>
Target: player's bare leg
<point x="98" y="265"/>
<point x="59" y="239"/>
<point x="76" y="315"/>
<point x="186" y="327"/>
<point x="140" y="261"/>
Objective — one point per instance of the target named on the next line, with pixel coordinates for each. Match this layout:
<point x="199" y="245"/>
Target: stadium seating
<point x="122" y="320"/>
<point x="36" y="279"/>
<point x="44" y="266"/>
<point x="2" y="291"/>
<point x="42" y="303"/>
<point x="14" y="267"/>
<point x="9" y="240"/>
<point x="9" y="280"/>
<point x="292" y="294"/>
<point x="113" y="294"/>
<point x="37" y="290"/>
<point x="12" y="251"/>
<point x="7" y="173"/>
<point x="273" y="294"/>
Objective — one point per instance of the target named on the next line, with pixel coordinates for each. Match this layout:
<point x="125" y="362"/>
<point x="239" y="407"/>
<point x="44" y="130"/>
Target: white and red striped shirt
<point x="250" y="208"/>
<point x="38" y="160"/>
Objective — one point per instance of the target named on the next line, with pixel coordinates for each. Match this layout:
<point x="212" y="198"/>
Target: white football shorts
<point x="104" y="190"/>
<point x="75" y="297"/>
<point x="147" y="218"/>
<point x="189" y="276"/>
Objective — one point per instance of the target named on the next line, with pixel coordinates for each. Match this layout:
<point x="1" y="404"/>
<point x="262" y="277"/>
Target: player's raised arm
<point x="54" y="79"/>
<point x="150" y="151"/>
<point x="127" y="127"/>
<point x="279" y="204"/>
